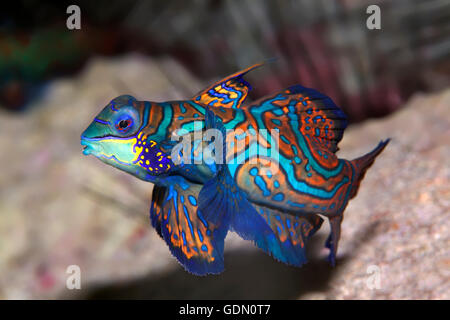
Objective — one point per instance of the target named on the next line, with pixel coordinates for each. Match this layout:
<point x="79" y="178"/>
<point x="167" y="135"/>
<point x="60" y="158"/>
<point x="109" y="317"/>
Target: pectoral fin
<point x="225" y="205"/>
<point x="194" y="241"/>
<point x="156" y="208"/>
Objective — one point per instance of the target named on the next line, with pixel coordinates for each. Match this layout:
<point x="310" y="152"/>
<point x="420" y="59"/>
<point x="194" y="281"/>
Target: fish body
<point x="266" y="170"/>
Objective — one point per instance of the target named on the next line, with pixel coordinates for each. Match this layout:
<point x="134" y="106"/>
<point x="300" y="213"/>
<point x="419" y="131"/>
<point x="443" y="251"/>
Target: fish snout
<point x="88" y="146"/>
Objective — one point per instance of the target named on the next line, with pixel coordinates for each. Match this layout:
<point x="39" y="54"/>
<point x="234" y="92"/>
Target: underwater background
<point x="58" y="208"/>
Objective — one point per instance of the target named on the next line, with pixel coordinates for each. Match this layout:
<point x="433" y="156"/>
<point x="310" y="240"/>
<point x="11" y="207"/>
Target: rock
<point x="398" y="222"/>
<point x="59" y="208"/>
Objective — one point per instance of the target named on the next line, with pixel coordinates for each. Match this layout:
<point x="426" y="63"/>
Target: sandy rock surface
<point x="399" y="222"/>
<point x="59" y="208"/>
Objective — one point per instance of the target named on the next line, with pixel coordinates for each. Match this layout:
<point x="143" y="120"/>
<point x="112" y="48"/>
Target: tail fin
<point x="360" y="165"/>
<point x="363" y="163"/>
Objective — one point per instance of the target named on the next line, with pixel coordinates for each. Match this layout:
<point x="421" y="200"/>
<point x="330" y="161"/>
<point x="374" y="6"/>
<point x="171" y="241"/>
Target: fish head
<point x="116" y="137"/>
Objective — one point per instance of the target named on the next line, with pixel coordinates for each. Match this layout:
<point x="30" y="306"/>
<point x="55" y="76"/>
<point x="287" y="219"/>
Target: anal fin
<point x="292" y="233"/>
<point x="281" y="235"/>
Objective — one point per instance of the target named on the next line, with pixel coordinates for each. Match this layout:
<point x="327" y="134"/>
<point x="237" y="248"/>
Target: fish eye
<point x="126" y="121"/>
<point x="124" y="124"/>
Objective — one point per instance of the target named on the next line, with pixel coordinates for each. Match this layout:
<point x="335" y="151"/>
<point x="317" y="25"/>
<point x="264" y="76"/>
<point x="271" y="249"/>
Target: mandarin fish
<point x="266" y="170"/>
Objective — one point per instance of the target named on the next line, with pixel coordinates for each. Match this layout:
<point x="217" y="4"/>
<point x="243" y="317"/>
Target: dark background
<point x="320" y="44"/>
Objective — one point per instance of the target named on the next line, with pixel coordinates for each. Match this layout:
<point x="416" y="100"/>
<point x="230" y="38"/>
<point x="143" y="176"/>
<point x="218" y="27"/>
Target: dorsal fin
<point x="306" y="110"/>
<point x="228" y="92"/>
<point x="322" y="121"/>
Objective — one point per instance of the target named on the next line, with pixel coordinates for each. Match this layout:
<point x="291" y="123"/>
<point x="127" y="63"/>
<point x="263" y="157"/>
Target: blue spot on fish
<point x="192" y="200"/>
<point x="278" y="197"/>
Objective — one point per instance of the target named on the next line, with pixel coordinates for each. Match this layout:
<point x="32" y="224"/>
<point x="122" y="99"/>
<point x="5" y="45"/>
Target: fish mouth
<point x="87" y="147"/>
